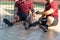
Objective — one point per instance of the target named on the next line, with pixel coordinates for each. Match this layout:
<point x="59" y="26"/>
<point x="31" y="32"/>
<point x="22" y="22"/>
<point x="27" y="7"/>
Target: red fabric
<point x="54" y="6"/>
<point x="24" y="6"/>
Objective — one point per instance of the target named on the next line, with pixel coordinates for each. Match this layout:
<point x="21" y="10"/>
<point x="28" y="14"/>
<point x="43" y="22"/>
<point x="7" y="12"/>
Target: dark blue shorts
<point x="22" y="16"/>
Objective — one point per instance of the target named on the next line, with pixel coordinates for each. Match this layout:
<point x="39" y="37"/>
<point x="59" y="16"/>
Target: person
<point x="50" y="15"/>
<point x="22" y="9"/>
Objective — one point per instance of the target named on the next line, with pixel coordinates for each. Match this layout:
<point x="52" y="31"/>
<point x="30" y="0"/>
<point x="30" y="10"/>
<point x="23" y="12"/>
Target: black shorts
<point x="22" y="16"/>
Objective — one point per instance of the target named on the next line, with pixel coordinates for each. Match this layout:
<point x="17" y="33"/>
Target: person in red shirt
<point x="50" y="15"/>
<point x="22" y="9"/>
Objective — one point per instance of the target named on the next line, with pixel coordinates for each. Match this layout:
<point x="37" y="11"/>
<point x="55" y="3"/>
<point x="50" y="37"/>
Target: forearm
<point x="30" y="12"/>
<point x="46" y="13"/>
<point x="50" y="11"/>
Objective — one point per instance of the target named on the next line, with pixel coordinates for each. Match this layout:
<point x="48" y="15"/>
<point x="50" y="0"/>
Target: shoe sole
<point x="45" y="30"/>
<point x="7" y="22"/>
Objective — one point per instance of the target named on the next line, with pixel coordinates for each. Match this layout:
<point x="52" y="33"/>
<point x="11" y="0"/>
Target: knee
<point x="50" y="18"/>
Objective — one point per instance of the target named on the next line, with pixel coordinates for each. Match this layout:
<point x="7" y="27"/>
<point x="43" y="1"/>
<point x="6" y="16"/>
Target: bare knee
<point x="50" y="20"/>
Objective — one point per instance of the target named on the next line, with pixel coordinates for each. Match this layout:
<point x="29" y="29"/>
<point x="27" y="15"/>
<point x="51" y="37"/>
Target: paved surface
<point x="17" y="32"/>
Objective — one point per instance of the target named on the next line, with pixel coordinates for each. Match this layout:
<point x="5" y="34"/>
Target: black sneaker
<point x="33" y="24"/>
<point x="7" y="22"/>
<point x="30" y="25"/>
<point x="44" y="27"/>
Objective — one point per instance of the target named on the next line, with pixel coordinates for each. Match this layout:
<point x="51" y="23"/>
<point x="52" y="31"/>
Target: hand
<point x="16" y="17"/>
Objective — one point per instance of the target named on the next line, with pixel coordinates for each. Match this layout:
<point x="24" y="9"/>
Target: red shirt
<point x="54" y="6"/>
<point x="24" y="7"/>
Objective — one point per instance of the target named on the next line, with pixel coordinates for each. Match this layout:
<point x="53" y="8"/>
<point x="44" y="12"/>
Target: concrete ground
<point x="17" y="32"/>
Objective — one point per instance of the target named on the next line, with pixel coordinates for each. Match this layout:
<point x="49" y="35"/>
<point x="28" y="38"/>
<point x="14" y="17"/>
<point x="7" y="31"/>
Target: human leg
<point x="42" y="24"/>
<point x="52" y="21"/>
<point x="10" y="23"/>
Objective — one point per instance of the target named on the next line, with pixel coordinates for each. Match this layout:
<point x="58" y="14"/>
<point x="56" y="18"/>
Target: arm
<point x="48" y="11"/>
<point x="31" y="7"/>
<point x="15" y="10"/>
<point x="53" y="8"/>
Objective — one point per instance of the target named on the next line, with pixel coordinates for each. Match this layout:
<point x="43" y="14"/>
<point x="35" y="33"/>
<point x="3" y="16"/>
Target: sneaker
<point x="7" y="22"/>
<point x="44" y="27"/>
<point x="30" y="25"/>
<point x="34" y="24"/>
<point x="26" y="25"/>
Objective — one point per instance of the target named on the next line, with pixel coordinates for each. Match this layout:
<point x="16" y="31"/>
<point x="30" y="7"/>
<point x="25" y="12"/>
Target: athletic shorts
<point x="55" y="22"/>
<point x="22" y="16"/>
